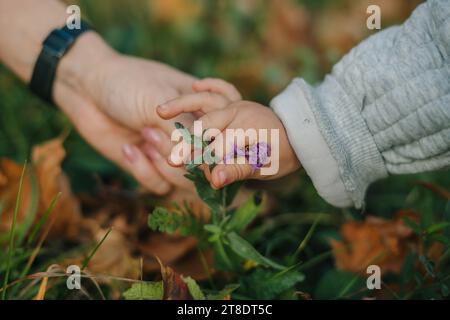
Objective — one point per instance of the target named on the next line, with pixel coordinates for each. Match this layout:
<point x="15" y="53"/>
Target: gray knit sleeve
<point x="385" y="108"/>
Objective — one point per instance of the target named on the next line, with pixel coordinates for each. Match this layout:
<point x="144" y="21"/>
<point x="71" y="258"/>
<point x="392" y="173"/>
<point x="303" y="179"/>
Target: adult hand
<point x="110" y="98"/>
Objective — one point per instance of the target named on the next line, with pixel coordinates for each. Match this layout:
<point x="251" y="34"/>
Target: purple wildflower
<point x="257" y="155"/>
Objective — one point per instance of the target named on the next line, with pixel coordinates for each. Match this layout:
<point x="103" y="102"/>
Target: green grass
<point x="13" y="234"/>
<point x="223" y="42"/>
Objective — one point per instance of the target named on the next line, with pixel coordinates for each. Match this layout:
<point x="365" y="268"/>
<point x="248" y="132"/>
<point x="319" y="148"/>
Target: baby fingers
<point x="210" y="126"/>
<point x="225" y="174"/>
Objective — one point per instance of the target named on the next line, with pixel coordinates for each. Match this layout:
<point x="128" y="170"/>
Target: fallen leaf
<point x="374" y="241"/>
<point x="175" y="12"/>
<point x="145" y="291"/>
<point x="114" y="257"/>
<point x="174" y="286"/>
<point x="286" y="28"/>
<point x="339" y="28"/>
<point x="47" y="159"/>
<point x="10" y="172"/>
<point x="168" y="248"/>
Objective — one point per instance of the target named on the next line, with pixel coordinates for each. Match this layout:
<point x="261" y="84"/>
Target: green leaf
<point x="191" y="166"/>
<point x="445" y="290"/>
<point x="245" y="250"/>
<point x="204" y="190"/>
<point x="222" y="260"/>
<point x="222" y="294"/>
<point x="437" y="227"/>
<point x="440" y="238"/>
<point x="408" y="267"/>
<point x="428" y="264"/>
<point x="184" y="132"/>
<point x="246" y="213"/>
<point x="444" y="258"/>
<point x="315" y="260"/>
<point x="164" y="221"/>
<point x="413" y="225"/>
<point x="231" y="191"/>
<point x="145" y="291"/>
<point x="446" y="217"/>
<point x="212" y="228"/>
<point x="194" y="288"/>
<point x="265" y="284"/>
<point x="179" y="126"/>
<point x="334" y="282"/>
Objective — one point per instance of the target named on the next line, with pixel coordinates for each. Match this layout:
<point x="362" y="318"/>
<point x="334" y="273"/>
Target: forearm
<point x="24" y="24"/>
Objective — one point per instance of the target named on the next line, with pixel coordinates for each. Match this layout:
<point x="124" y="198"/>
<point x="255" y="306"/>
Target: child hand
<point x="218" y="107"/>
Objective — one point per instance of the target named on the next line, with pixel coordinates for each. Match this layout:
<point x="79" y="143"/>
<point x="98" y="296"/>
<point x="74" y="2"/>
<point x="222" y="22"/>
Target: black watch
<point x="54" y="47"/>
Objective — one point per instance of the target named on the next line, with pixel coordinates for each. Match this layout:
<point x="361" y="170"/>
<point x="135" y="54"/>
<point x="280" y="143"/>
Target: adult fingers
<point x="158" y="139"/>
<point x="142" y="169"/>
<point x="113" y="141"/>
<point x="174" y="175"/>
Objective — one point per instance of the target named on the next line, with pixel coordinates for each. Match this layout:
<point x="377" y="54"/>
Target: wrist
<point x="294" y="107"/>
<point x="77" y="66"/>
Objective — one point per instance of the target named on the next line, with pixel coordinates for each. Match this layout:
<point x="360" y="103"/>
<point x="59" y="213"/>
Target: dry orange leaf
<point x="47" y="159"/>
<point x="176" y="12"/>
<point x="286" y="28"/>
<point x="113" y="256"/>
<point x="374" y="241"/>
<point x="10" y="176"/>
<point x="131" y="238"/>
<point x="340" y="28"/>
<point x="50" y="180"/>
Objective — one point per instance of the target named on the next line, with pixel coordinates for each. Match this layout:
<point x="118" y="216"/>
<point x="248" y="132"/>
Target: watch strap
<point x="54" y="47"/>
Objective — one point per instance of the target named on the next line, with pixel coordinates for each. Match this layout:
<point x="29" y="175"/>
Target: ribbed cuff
<point x="310" y="146"/>
<point x="338" y="116"/>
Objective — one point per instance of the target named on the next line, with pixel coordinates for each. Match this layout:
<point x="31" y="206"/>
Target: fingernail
<point x="151" y="135"/>
<point x="222" y="178"/>
<point x="171" y="162"/>
<point x="129" y="152"/>
<point x="174" y="159"/>
<point x="162" y="107"/>
<point x="152" y="153"/>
